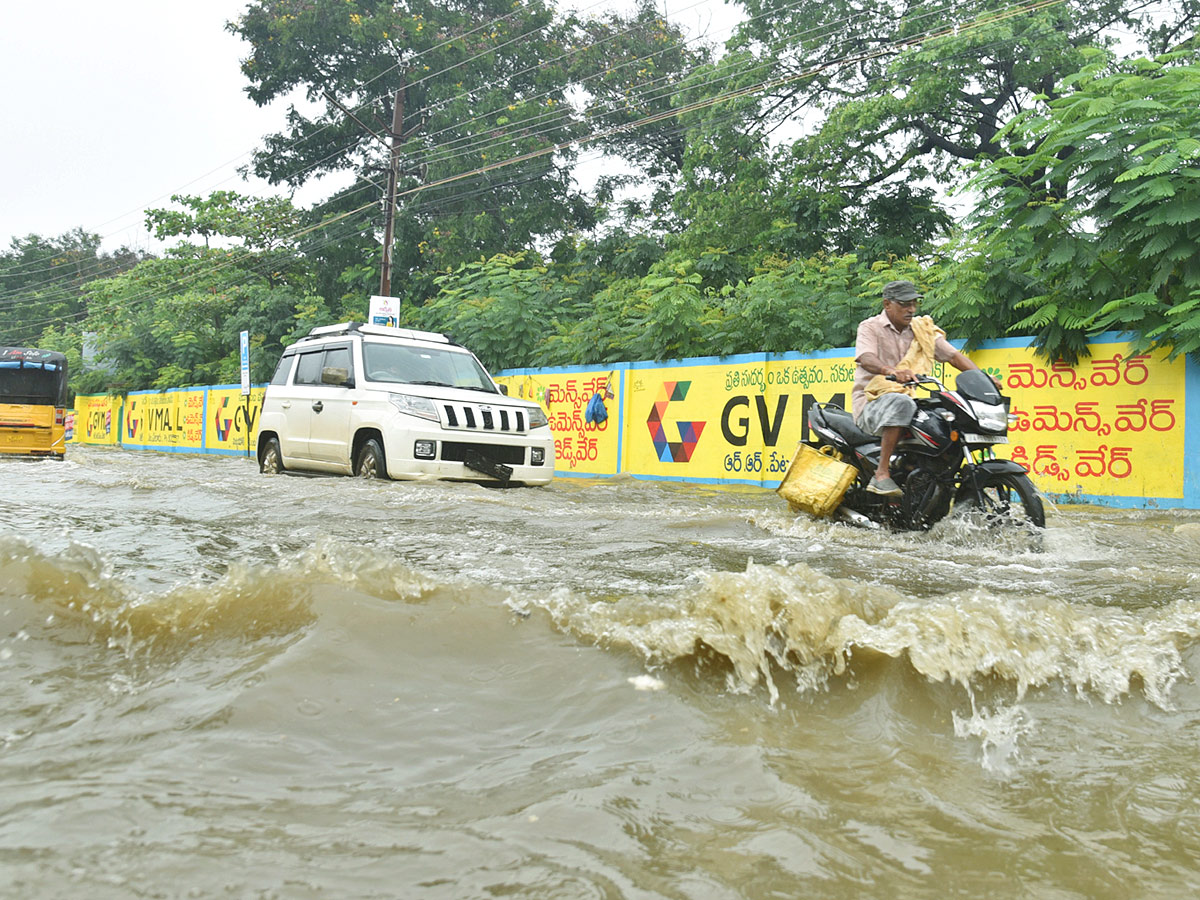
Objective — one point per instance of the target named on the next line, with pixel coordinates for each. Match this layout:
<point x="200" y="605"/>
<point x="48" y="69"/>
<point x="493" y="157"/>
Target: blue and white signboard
<point x="245" y="363"/>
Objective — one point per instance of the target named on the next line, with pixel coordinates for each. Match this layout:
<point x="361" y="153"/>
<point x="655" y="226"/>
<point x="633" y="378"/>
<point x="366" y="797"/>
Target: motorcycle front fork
<point x="971" y="460"/>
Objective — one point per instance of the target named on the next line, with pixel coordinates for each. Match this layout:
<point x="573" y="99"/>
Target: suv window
<point x="283" y="370"/>
<point x="338" y="358"/>
<point x="308" y="370"/>
<point x="402" y="364"/>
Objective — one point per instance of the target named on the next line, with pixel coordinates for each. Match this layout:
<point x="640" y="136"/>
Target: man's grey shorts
<point x="895" y="408"/>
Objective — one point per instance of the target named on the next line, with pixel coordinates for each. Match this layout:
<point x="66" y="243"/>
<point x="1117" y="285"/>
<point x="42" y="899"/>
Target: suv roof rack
<point x="411" y="334"/>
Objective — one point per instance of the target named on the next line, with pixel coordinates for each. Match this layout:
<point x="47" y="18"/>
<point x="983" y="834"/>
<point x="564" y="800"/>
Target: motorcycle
<point x="944" y="460"/>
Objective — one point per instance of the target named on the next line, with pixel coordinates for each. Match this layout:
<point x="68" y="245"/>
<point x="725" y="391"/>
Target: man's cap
<point x="900" y="290"/>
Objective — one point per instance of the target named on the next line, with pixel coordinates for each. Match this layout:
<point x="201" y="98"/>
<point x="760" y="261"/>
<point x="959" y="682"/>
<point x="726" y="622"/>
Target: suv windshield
<point x="402" y="364"/>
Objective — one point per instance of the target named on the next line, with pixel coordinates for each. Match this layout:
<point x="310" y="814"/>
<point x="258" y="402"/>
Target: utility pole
<point x="397" y="136"/>
<point x="385" y="273"/>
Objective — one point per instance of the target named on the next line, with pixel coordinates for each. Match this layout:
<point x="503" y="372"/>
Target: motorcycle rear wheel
<point x="1008" y="499"/>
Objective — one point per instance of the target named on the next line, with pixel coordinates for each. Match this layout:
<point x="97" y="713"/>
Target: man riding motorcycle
<point x="893" y="345"/>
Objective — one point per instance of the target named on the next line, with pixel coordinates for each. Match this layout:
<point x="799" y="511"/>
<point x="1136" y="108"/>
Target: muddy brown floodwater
<point x="217" y="683"/>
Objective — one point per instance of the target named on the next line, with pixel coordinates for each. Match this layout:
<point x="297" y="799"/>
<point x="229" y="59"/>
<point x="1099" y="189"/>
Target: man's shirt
<point x="889" y="344"/>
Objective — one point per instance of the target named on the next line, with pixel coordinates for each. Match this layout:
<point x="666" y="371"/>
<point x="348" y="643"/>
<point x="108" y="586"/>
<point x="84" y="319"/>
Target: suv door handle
<point x="318" y="406"/>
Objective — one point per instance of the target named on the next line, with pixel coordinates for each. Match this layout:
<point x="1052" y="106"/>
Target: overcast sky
<point x="110" y="106"/>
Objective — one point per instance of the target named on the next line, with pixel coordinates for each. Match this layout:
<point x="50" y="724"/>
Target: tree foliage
<point x="482" y="83"/>
<point x="748" y="202"/>
<point x="900" y="97"/>
<point x="42" y="282"/>
<point x="498" y="307"/>
<point x="1098" y="228"/>
<point x="175" y="321"/>
<point x="519" y="310"/>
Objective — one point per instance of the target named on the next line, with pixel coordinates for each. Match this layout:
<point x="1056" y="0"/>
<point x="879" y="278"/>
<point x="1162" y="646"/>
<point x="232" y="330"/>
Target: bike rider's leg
<point x="888" y="439"/>
<point x="887" y="416"/>
<point x="882" y="483"/>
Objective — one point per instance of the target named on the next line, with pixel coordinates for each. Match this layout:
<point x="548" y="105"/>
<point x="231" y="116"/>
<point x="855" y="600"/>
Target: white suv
<point x="385" y="402"/>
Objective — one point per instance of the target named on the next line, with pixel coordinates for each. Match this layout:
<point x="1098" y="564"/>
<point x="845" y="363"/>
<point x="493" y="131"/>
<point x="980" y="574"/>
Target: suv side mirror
<point x="336" y="376"/>
<point x="502" y="388"/>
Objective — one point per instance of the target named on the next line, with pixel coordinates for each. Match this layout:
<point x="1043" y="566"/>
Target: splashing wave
<point x="791" y="618"/>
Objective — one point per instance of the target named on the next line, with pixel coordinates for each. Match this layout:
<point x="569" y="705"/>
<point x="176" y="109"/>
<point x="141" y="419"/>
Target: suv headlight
<point x="537" y="418"/>
<point x="414" y="406"/>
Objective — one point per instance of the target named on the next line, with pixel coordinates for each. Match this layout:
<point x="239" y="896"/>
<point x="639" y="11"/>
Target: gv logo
<point x="666" y="449"/>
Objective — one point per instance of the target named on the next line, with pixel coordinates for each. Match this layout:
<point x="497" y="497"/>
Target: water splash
<point x="1033" y="641"/>
<point x="75" y="592"/>
<point x="775" y="619"/>
<point x="999" y="732"/>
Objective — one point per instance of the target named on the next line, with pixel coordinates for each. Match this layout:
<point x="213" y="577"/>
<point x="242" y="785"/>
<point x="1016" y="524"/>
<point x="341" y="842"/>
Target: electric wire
<point x="711" y="101"/>
<point x="419" y="54"/>
<point x="772" y="11"/>
<point x="15" y="271"/>
<point x="673" y="113"/>
<point x="232" y="260"/>
<point x="470" y="145"/>
<point x="508" y="162"/>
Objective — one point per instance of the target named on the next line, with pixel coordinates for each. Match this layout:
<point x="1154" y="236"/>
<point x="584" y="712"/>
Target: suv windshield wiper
<point x="461" y="387"/>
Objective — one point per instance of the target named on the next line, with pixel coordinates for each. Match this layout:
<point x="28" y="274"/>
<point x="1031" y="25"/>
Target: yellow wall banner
<point x="732" y="420"/>
<point x="164" y="420"/>
<point x="1113" y="425"/>
<point x="583" y="441"/>
<point x="97" y="418"/>
<point x="231" y="418"/>
<point x="1113" y="429"/>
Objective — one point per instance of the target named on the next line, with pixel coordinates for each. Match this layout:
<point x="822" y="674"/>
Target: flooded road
<point x="217" y="683"/>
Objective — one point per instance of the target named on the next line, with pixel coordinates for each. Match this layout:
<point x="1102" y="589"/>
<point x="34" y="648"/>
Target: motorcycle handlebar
<point x="920" y="379"/>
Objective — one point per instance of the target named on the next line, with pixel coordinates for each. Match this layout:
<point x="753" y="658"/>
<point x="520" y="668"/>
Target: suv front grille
<point x="456" y="451"/>
<point x="476" y="417"/>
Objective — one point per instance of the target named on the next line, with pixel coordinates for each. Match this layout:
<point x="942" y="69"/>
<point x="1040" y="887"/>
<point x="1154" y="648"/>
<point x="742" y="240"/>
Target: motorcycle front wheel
<point x="1007" y="499"/>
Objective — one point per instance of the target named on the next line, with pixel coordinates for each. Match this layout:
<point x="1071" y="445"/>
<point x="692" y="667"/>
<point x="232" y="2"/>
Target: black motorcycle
<point x="944" y="461"/>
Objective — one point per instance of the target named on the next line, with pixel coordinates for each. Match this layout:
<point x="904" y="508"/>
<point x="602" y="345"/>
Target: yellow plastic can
<point x="815" y="482"/>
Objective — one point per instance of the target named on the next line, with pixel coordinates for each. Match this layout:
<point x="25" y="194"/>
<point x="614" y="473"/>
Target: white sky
<point x="110" y="106"/>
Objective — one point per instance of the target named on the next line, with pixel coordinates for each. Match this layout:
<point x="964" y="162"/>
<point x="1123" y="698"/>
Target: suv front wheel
<point x="370" y="463"/>
<point x="271" y="460"/>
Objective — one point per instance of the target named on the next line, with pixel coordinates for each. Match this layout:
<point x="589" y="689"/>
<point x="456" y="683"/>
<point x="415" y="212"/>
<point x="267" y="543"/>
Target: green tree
<point x="492" y="103"/>
<point x="727" y="186"/>
<point x="42" y="283"/>
<point x="660" y="315"/>
<point x="260" y="224"/>
<point x="896" y="98"/>
<point x="175" y="321"/>
<point x="803" y="305"/>
<point x="625" y="69"/>
<point x="500" y="308"/>
<point x="1098" y="228"/>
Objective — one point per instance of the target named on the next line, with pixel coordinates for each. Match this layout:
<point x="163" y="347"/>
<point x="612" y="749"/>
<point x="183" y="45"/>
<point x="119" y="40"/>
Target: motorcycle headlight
<point x="537" y="418"/>
<point x="414" y="406"/>
<point x="991" y="418"/>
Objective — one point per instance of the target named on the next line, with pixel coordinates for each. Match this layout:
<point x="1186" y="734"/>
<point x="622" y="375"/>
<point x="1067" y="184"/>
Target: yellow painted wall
<point x="97" y="419"/>
<point x="1115" y="427"/>
<point x="231" y="419"/>
<point x="579" y="445"/>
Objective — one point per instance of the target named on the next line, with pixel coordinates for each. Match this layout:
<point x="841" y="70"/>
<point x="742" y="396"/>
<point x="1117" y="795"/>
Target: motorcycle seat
<point x="843" y="423"/>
